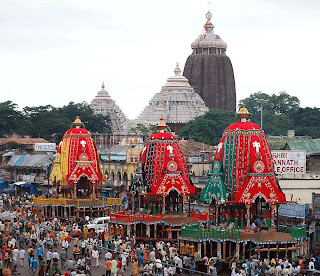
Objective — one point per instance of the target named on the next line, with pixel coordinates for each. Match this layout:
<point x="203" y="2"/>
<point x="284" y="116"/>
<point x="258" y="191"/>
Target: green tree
<point x="144" y="130"/>
<point x="51" y="123"/>
<point x="209" y="127"/>
<point x="305" y="121"/>
<point x="45" y="121"/>
<point x="275" y="124"/>
<point x="278" y="104"/>
<point x="11" y="119"/>
<point x="93" y="122"/>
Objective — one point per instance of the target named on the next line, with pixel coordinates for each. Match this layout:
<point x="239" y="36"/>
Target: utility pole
<point x="261" y="101"/>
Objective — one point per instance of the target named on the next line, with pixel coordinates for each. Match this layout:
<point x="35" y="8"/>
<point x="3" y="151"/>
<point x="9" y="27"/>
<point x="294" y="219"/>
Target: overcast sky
<point x="54" y="52"/>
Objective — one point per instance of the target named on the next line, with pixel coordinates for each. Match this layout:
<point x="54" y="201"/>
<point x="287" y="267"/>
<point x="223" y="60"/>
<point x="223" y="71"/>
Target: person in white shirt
<point x="22" y="253"/>
<point x="285" y="271"/>
<point x="172" y="252"/>
<point x="55" y="256"/>
<point x="49" y="257"/>
<point x="311" y="264"/>
<point x="124" y="260"/>
<point x="160" y="246"/>
<point x="95" y="256"/>
<point x="108" y="255"/>
<point x="153" y="255"/>
<point x="171" y="270"/>
<point x="65" y="245"/>
<point x="15" y="255"/>
<point x="165" y="271"/>
<point x="146" y="269"/>
<point x="278" y="270"/>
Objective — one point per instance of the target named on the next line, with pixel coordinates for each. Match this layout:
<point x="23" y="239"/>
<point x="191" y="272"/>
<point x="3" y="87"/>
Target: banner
<point x="289" y="162"/>
<point x="293" y="210"/>
<point x="45" y="147"/>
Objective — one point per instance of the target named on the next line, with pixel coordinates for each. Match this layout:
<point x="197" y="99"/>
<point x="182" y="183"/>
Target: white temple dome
<point x="105" y="105"/>
<point x="177" y="103"/>
<point x="177" y="80"/>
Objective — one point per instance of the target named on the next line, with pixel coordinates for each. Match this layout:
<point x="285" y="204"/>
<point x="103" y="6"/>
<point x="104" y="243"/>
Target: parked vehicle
<point x="98" y="224"/>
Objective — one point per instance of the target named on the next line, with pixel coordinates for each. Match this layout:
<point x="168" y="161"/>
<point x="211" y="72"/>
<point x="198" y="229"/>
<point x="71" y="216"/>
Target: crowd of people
<point x="276" y="267"/>
<point x="63" y="247"/>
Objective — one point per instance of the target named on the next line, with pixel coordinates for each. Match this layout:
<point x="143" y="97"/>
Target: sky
<point x="54" y="52"/>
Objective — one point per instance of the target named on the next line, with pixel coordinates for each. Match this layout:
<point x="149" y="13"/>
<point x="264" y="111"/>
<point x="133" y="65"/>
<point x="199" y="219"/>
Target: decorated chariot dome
<point x="242" y="170"/>
<point x="164" y="167"/>
<point x="79" y="163"/>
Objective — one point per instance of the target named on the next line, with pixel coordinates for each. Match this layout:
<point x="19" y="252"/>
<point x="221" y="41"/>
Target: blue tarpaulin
<point x="3" y="185"/>
<point x="33" y="189"/>
<point x="26" y="185"/>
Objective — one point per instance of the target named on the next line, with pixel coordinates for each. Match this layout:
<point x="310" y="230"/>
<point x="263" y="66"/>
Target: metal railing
<point x="50" y="201"/>
<point x="130" y="217"/>
<point x="68" y="201"/>
<point x="195" y="231"/>
<point x="297" y="232"/>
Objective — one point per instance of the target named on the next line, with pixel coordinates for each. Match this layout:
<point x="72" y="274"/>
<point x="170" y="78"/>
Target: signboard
<point x="45" y="147"/>
<point x="316" y="205"/>
<point x="293" y="210"/>
<point x="289" y="162"/>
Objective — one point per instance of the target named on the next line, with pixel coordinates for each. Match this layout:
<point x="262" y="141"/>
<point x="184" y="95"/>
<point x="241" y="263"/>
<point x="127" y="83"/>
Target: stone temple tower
<point x="209" y="70"/>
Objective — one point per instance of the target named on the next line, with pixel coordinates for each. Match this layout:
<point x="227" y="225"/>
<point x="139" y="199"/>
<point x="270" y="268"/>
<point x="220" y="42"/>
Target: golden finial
<point x="243" y="112"/>
<point x="77" y="122"/>
<point x="102" y="86"/>
<point x="162" y="125"/>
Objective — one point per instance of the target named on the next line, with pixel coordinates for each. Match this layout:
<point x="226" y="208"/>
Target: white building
<point x="103" y="104"/>
<point x="177" y="103"/>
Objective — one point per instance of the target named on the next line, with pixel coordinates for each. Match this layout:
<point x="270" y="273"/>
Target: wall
<point x="300" y="189"/>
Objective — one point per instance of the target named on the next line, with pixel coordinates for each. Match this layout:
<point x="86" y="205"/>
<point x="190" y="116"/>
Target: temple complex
<point x="177" y="103"/>
<point x="105" y="105"/>
<point x="209" y="70"/>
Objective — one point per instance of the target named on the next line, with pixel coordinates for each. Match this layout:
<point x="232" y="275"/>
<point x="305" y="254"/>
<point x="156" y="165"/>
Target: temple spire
<point x="102" y="86"/>
<point x="177" y="70"/>
<point x="208" y="26"/>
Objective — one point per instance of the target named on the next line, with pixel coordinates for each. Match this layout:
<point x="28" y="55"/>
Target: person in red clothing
<point x="119" y="264"/>
<point x="69" y="238"/>
<point x="133" y="256"/>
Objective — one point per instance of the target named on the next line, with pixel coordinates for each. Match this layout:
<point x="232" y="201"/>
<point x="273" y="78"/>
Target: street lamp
<point x="261" y="101"/>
